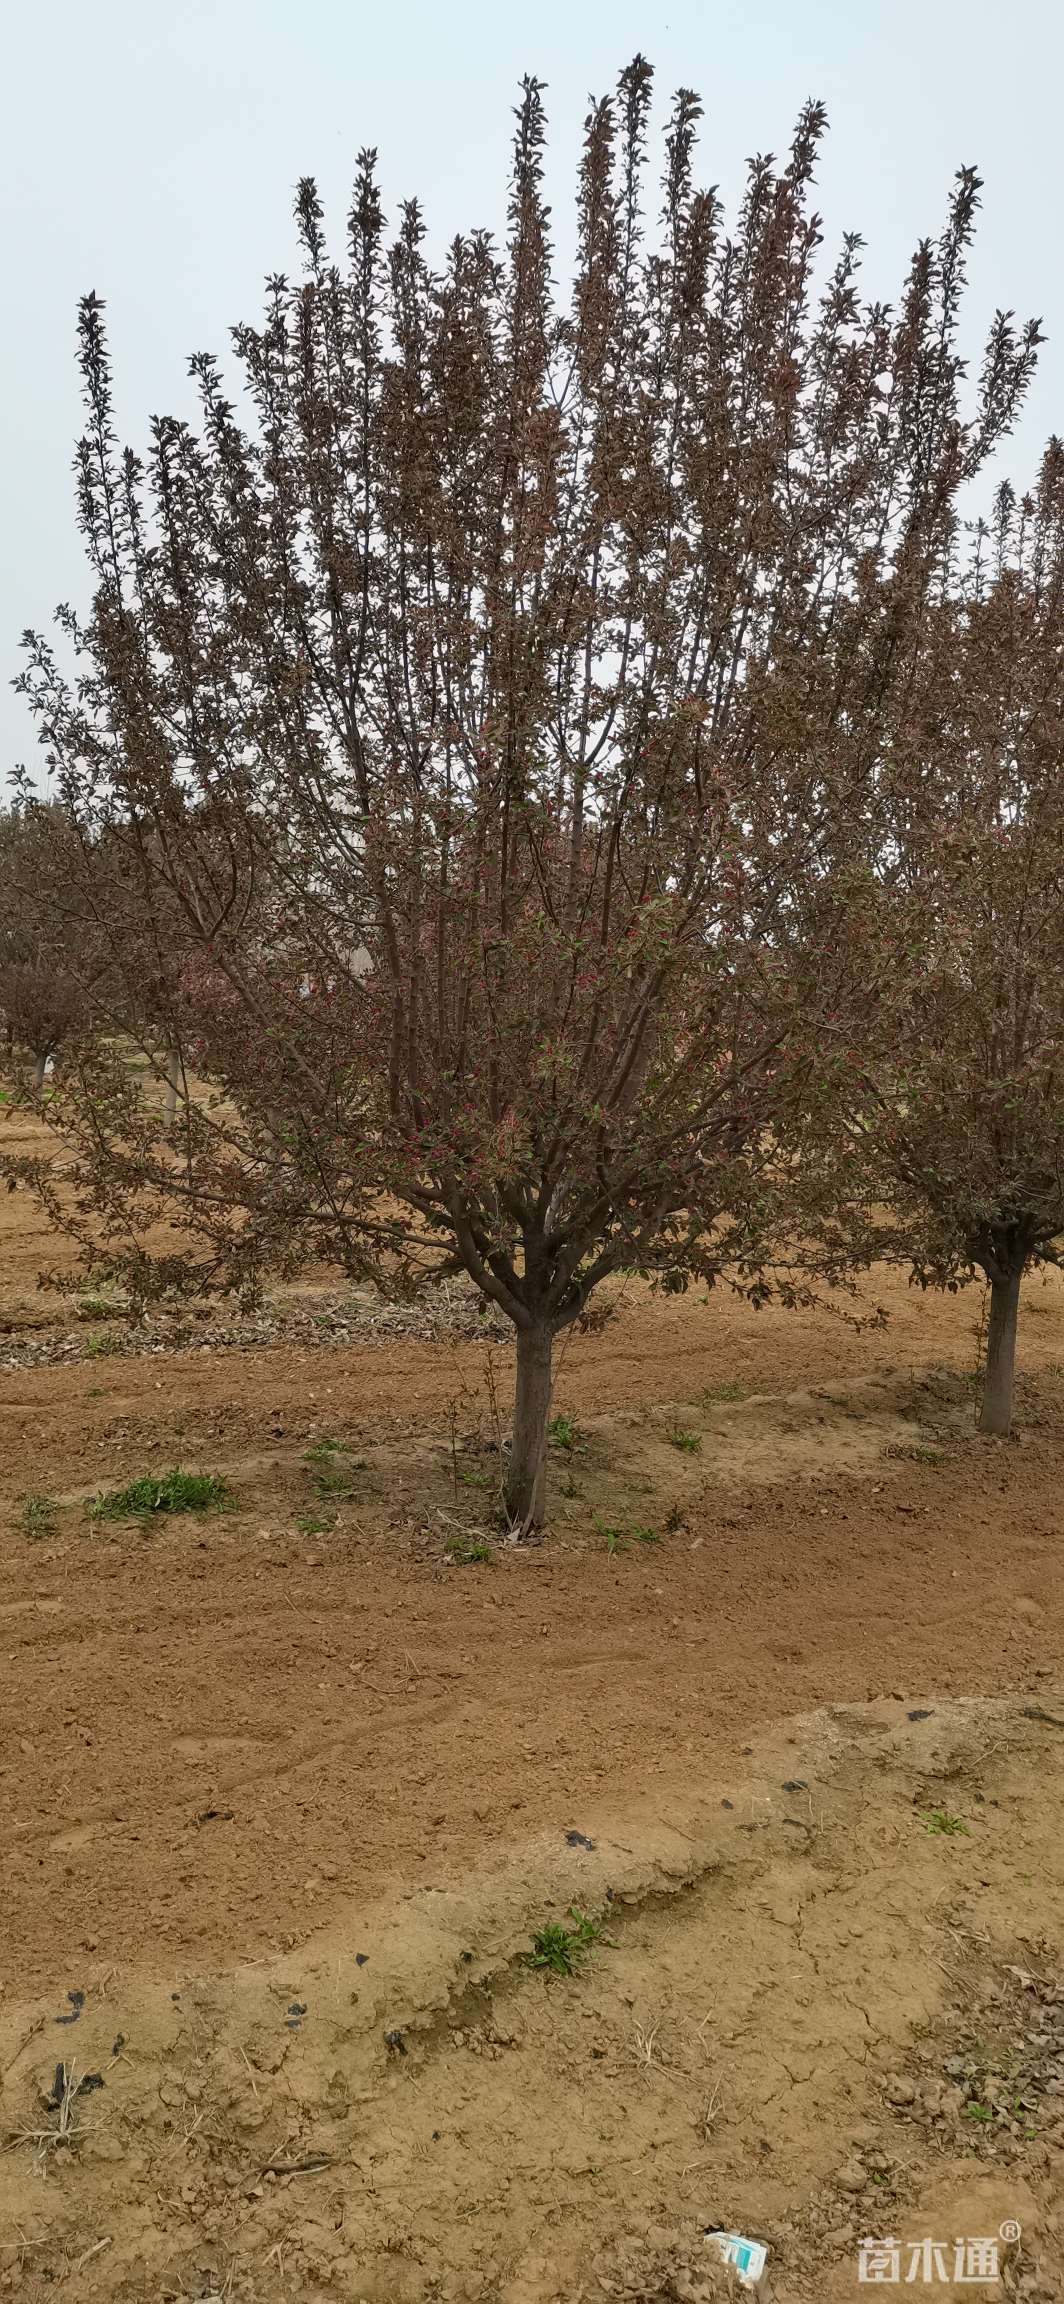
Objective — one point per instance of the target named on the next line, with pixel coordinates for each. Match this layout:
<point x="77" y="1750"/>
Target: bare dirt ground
<point x="269" y="1775"/>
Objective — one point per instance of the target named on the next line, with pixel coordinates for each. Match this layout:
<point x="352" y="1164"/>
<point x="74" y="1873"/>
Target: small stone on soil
<point x="852" y="2177"/>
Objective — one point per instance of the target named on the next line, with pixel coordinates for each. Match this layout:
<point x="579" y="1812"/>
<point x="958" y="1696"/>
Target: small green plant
<point x="977" y="2111"/>
<point x="674" y="1519"/>
<point x="102" y="1345"/>
<point x="331" y="1480"/>
<point x="618" y="1539"/>
<point x="320" y="1451"/>
<point x="470" y="1477"/>
<point x="175" y="1491"/>
<point x="564" y="1432"/>
<point x="730" y="1390"/>
<point x="687" y="1441"/>
<point x="917" y="1452"/>
<point x="465" y="1551"/>
<point x="558" y="1949"/>
<point x="37" y="1517"/>
<point x="311" y="1524"/>
<point x="940" y="1820"/>
<point x="96" y="1308"/>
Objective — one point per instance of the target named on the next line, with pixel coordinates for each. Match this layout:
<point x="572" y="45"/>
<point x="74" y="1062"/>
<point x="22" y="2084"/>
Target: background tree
<point x="954" y="1069"/>
<point x="45" y="955"/>
<point x="487" y="711"/>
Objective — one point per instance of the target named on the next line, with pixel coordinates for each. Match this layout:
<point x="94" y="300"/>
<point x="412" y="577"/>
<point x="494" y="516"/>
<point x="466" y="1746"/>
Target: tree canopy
<point x="488" y="709"/>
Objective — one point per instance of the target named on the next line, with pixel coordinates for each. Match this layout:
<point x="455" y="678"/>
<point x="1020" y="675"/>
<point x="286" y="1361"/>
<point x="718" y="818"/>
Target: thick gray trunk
<point x="995" y="1414"/>
<point x="526" y="1471"/>
<point x="39" y="1069"/>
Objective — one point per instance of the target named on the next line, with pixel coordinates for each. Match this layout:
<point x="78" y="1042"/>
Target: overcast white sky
<point x="149" y="148"/>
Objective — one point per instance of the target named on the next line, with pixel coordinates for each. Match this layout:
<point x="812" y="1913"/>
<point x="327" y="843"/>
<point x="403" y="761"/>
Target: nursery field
<point x="304" y="1773"/>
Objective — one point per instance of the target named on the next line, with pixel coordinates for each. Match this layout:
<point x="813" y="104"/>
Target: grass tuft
<point x="558" y="1949"/>
<point x="564" y="1432"/>
<point x="939" y="1820"/>
<point x="465" y="1551"/>
<point x="37" y="1517"/>
<point x="683" y="1438"/>
<point x="470" y="1477"/>
<point x="617" y="1539"/>
<point x="174" y="1491"/>
<point x="97" y="1308"/>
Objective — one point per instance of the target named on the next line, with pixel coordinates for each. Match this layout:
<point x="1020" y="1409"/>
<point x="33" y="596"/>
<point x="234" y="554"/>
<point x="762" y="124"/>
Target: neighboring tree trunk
<point x="173" y="1078"/>
<point x="526" y="1473"/>
<point x="995" y="1414"/>
<point x="40" y="1068"/>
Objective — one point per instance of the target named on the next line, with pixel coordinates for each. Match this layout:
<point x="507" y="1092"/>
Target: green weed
<point x="558" y="1949"/>
<point x="96" y="1308"/>
<point x="564" y="1432"/>
<point x="331" y="1480"/>
<point x="102" y="1345"/>
<point x="174" y="1491"/>
<point x="687" y="1441"/>
<point x="311" y="1524"/>
<point x="37" y="1517"/>
<point x="940" y="1820"/>
<point x="618" y="1539"/>
<point x="471" y="1478"/>
<point x="731" y="1390"/>
<point x="465" y="1551"/>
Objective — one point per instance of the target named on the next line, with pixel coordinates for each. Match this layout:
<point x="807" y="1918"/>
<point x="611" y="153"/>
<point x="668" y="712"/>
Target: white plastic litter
<point x="749" y="2257"/>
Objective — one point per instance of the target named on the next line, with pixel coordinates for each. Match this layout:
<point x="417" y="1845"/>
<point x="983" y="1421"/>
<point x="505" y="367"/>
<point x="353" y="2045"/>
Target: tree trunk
<point x="526" y="1473"/>
<point x="995" y="1415"/>
<point x="39" y="1068"/>
<point x="173" y="1076"/>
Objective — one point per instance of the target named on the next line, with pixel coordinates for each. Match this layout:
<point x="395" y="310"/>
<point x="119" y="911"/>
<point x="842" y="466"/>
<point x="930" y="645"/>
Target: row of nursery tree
<point x="554" y="782"/>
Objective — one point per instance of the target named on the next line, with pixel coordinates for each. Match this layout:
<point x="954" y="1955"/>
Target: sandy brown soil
<point x="365" y="1708"/>
<point x="223" y="1737"/>
<point x="823" y="2004"/>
